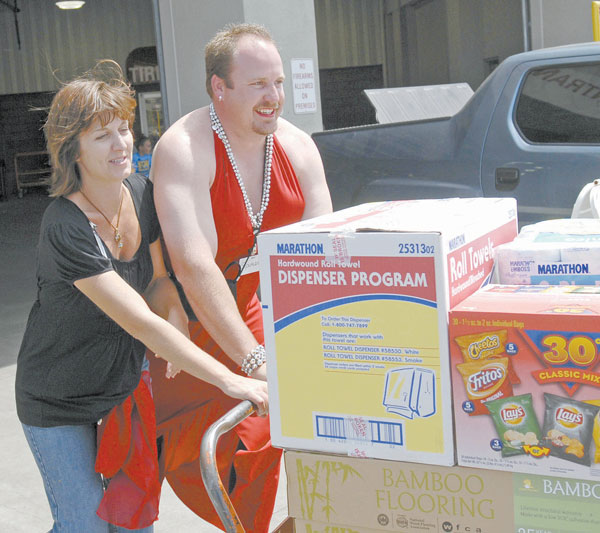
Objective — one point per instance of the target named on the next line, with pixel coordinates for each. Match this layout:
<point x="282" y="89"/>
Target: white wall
<point x="292" y="25"/>
<point x="558" y="22"/>
<point x="187" y="25"/>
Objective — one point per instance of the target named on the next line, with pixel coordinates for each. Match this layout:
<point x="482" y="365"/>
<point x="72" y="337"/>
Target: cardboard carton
<point x="292" y="525"/>
<point x="355" y="311"/>
<point x="552" y="252"/>
<point x="526" y="379"/>
<point x="328" y="493"/>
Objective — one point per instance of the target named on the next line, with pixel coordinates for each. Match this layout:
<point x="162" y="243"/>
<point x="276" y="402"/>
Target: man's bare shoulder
<point x="298" y="146"/>
<point x="306" y="160"/>
<point x="291" y="136"/>
<point x="185" y="147"/>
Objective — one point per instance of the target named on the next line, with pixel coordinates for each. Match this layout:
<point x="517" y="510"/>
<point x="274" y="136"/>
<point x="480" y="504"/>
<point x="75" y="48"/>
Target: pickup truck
<point x="530" y="131"/>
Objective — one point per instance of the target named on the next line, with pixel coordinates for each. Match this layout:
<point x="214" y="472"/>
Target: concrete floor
<point x="23" y="504"/>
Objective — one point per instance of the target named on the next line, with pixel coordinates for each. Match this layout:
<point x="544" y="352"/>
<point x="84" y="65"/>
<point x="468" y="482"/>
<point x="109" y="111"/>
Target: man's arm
<point x="161" y="294"/>
<point x="163" y="299"/>
<point x="181" y="175"/>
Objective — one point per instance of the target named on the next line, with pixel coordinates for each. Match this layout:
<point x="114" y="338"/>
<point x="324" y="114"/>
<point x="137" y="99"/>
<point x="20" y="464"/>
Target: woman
<point x="102" y="290"/>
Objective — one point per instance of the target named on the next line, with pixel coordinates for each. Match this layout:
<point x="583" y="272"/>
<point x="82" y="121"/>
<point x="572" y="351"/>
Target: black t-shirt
<point x="75" y="363"/>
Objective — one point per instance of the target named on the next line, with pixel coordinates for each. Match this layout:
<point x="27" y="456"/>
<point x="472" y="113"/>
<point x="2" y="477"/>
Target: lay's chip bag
<point x="516" y="423"/>
<point x="568" y="428"/>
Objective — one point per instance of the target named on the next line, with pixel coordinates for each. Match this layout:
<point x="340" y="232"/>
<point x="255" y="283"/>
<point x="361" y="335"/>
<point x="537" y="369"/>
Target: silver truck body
<point x="486" y="148"/>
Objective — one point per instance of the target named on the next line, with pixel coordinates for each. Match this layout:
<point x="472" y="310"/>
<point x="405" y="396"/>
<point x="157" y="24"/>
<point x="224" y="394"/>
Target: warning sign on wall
<point x="303" y="83"/>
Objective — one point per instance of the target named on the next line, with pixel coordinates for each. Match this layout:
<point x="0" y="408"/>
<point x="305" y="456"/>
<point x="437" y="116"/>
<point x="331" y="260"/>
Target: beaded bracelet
<point x="254" y="359"/>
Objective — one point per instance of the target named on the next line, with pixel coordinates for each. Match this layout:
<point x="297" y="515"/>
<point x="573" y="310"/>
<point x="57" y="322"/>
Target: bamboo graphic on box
<point x="314" y="483"/>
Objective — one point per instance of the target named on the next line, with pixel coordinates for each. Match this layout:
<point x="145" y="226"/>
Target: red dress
<point x="186" y="406"/>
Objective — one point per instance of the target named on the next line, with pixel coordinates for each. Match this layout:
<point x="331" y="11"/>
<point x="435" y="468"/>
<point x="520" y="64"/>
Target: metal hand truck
<point x="208" y="465"/>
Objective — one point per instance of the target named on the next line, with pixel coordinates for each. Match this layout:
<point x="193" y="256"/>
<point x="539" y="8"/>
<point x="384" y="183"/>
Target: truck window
<point x="561" y="105"/>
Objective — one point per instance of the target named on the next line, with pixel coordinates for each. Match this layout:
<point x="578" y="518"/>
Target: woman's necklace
<point x="255" y="220"/>
<point x="115" y="228"/>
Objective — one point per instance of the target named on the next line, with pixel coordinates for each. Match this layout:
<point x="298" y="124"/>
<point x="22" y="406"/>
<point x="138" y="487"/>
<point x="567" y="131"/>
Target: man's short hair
<point x="219" y="51"/>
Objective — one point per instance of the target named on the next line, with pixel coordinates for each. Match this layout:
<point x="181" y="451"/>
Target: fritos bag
<point x="484" y="381"/>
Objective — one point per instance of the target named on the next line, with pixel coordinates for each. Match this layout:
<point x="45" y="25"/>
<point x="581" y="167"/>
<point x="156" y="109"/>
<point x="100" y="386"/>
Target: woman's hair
<point x="219" y="51"/>
<point x="100" y="93"/>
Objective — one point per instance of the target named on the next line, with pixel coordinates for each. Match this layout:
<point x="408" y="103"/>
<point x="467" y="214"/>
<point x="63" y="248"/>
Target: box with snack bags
<point x="526" y="379"/>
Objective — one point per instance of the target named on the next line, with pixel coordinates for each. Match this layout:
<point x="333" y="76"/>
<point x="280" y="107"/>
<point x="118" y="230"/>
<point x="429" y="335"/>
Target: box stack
<point x="525" y="375"/>
<point x="356" y="327"/>
<point x="377" y="321"/>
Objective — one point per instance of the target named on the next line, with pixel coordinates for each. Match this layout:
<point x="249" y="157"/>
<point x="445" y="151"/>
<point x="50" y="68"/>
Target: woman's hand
<point x="172" y="370"/>
<point x="249" y="389"/>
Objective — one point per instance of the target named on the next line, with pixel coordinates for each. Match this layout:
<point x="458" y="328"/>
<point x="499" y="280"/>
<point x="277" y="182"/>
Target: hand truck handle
<point x="208" y="465"/>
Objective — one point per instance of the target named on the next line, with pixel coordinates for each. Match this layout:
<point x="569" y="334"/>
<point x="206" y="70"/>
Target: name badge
<point x="249" y="265"/>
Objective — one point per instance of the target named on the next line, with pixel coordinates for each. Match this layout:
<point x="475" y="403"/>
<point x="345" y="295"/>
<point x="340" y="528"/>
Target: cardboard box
<point x="355" y="310"/>
<point x="552" y="252"/>
<point x="293" y="525"/>
<point x="524" y="401"/>
<point x="287" y="526"/>
<point x="328" y="493"/>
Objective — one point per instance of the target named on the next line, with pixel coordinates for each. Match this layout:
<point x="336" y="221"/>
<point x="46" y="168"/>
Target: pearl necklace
<point x="255" y="220"/>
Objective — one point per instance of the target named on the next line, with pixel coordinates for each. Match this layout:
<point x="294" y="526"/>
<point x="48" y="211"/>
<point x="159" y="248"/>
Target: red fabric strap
<point x="127" y="455"/>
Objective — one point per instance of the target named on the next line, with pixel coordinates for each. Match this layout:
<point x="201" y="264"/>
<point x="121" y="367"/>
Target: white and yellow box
<point x="355" y="309"/>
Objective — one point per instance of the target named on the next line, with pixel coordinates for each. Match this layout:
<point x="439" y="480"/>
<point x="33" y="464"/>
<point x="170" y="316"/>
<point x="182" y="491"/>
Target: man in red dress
<point x="222" y="173"/>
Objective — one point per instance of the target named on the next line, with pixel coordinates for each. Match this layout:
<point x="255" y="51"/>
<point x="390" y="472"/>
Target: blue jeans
<point x="65" y="456"/>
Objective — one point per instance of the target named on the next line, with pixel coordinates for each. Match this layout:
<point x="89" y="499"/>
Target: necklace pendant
<point x="118" y="239"/>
